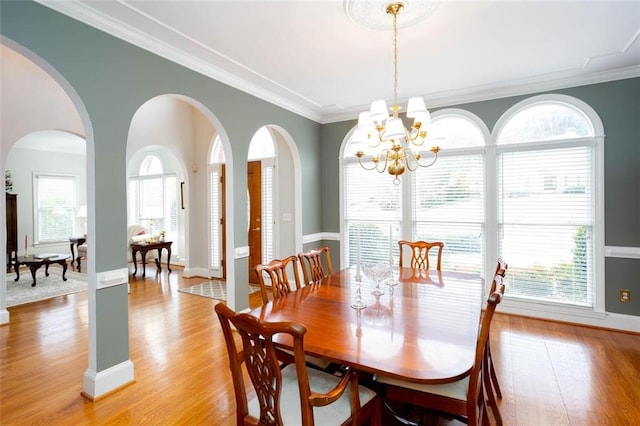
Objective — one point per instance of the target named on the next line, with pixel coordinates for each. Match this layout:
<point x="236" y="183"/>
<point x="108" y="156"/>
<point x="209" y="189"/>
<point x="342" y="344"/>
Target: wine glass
<point x="377" y="272"/>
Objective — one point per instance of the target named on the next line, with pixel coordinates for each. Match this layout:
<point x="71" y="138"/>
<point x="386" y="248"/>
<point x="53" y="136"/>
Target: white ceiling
<point x="311" y="58"/>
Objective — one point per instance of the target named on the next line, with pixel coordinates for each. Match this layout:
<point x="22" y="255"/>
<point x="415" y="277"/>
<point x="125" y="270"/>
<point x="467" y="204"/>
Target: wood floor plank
<point x="550" y="373"/>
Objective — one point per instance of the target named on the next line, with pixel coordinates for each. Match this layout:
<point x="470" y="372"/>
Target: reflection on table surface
<point x="424" y="329"/>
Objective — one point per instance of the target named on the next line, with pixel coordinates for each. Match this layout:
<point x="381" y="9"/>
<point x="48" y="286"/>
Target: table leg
<point x="64" y="269"/>
<point x="73" y="254"/>
<point x="158" y="265"/>
<point x="135" y="263"/>
<point x="17" y="268"/>
<point x="34" y="268"/>
<point x="144" y="262"/>
<point x="46" y="270"/>
<point x="169" y="258"/>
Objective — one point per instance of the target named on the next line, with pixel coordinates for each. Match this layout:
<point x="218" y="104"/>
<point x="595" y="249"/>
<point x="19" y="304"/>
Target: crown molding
<point x="82" y="12"/>
<point x="504" y="90"/>
<point x="85" y="14"/>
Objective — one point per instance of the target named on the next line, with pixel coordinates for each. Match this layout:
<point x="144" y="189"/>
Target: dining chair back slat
<point x="420" y="253"/>
<point x="276" y="272"/>
<point x="314" y="269"/>
<point x="277" y="388"/>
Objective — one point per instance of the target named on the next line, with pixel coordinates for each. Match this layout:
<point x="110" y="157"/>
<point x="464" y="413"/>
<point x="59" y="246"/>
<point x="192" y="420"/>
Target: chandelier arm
<point x="417" y="162"/>
<point x="384" y="159"/>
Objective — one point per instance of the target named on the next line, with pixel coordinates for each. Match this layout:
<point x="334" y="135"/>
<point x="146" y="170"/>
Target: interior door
<point x="254" y="184"/>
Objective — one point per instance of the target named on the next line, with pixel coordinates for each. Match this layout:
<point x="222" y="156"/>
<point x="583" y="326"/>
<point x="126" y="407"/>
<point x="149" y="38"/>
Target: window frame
<point x="491" y="150"/>
<point x="37" y="176"/>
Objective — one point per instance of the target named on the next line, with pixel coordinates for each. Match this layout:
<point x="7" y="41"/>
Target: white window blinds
<point x="449" y="207"/>
<point x="546" y="223"/>
<point x="215" y="216"/>
<point x="372" y="212"/>
<point x="55" y="200"/>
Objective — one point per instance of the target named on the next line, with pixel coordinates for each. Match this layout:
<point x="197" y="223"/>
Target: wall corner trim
<point x="624" y="252"/>
<point x="96" y="384"/>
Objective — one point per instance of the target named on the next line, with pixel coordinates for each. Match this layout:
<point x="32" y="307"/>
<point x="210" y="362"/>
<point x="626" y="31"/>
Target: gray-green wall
<point x="618" y="105"/>
<point x="113" y="79"/>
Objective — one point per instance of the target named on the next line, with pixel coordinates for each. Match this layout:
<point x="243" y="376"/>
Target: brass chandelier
<point x="395" y="147"/>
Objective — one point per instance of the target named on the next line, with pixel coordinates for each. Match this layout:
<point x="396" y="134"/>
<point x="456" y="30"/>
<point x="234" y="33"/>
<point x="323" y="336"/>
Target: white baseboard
<point x="4" y="317"/>
<point x="197" y="272"/>
<point x="585" y="317"/>
<point x="103" y="382"/>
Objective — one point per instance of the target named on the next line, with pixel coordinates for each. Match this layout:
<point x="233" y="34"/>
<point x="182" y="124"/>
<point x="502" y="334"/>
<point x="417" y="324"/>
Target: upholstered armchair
<point x="135" y="234"/>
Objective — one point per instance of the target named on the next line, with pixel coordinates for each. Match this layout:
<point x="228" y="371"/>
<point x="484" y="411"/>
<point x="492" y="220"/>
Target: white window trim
<point x="550" y="310"/>
<point x="35" y="186"/>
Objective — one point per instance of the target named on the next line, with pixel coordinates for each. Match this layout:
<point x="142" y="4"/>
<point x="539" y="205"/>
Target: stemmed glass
<point x="377" y="272"/>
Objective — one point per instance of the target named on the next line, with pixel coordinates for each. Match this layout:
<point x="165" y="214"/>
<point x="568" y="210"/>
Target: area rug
<point x="21" y="292"/>
<point x="213" y="289"/>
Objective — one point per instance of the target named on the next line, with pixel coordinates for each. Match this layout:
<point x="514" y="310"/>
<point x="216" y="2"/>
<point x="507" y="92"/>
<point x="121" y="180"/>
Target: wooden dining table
<point x="423" y="330"/>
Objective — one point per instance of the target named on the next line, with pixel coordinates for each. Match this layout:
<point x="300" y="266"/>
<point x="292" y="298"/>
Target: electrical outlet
<point x="625" y="295"/>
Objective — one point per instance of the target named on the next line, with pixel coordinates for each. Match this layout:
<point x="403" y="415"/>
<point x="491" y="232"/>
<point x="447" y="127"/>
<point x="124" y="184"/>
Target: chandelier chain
<point x="395" y="61"/>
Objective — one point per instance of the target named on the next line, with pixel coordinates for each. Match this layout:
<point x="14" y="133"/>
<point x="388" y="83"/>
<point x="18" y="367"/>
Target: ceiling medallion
<point x="372" y="13"/>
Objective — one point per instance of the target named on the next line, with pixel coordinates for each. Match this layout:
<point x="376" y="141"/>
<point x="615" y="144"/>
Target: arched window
<point x="449" y="197"/>
<point x="153" y="198"/>
<point x="527" y="193"/>
<point x="546" y="200"/>
<point x="442" y="202"/>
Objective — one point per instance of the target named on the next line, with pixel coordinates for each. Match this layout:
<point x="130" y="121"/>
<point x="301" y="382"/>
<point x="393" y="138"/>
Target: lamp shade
<point x="82" y="211"/>
<point x="379" y="112"/>
<point x="394" y="128"/>
<point x="424" y="118"/>
<point x="415" y="106"/>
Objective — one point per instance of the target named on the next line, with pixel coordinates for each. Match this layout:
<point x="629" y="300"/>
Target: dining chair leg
<point x="489" y="390"/>
<point x="492" y="371"/>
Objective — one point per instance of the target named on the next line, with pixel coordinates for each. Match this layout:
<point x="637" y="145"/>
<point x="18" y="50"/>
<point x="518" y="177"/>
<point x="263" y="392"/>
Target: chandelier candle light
<point x="396" y="147"/>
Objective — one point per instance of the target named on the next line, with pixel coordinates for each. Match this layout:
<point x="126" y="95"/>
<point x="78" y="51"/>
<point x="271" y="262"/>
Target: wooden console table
<point x="143" y="248"/>
<point x="34" y="262"/>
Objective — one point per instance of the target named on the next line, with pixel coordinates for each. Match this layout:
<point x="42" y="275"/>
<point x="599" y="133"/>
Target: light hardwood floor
<point x="551" y="373"/>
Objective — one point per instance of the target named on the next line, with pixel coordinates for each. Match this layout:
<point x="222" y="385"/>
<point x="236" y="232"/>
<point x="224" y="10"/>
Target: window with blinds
<point x="215" y="224"/>
<point x="267" y="210"/>
<point x="372" y="213"/>
<point x="528" y="198"/>
<point x="55" y="207"/>
<point x="546" y="203"/>
<point x="449" y="207"/>
<point x="153" y="199"/>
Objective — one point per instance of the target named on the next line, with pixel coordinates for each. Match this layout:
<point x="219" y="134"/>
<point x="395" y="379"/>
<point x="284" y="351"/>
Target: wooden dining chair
<point x="276" y="271"/>
<point x="420" y="253"/>
<point x="312" y="263"/>
<point x="464" y="398"/>
<point x="293" y="395"/>
<point x="489" y="375"/>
